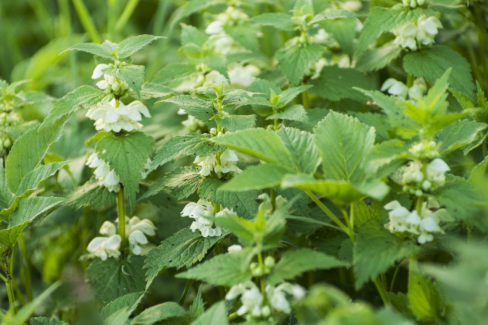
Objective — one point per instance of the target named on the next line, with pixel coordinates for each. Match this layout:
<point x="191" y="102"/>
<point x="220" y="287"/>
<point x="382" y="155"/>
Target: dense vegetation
<point x="244" y="161"/>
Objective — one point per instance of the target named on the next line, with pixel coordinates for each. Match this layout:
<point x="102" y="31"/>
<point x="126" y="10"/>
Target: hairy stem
<point x="121" y="215"/>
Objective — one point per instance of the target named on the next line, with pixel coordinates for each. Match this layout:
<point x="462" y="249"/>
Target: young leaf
<point x="459" y="134"/>
<point x="296" y="60"/>
<point x="304" y="153"/>
<point x="256" y="177"/>
<point x="343" y="142"/>
<point x="278" y="20"/>
<point x="296" y="262"/>
<point x="183" y="249"/>
<point x="217" y="314"/>
<point x="133" y="75"/>
<point x="159" y="313"/>
<point x="128" y="302"/>
<point x="32" y="207"/>
<point x="225" y="269"/>
<point x="378" y="58"/>
<point x="133" y="44"/>
<point x="102" y="50"/>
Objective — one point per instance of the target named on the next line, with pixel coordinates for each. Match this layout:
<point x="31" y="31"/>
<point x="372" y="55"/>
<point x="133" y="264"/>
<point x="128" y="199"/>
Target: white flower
<point x="280" y="201"/>
<point x="98" y="72"/>
<point x="243" y="76"/>
<point x="104" y="247"/>
<point x="225" y="163"/>
<point x="427" y="29"/>
<point x="103" y="173"/>
<point x="395" y="87"/>
<point x="109" y="117"/>
<point x="202" y="212"/>
<point x="351" y="5"/>
<point x="405" y="36"/>
<point x="108" y="228"/>
<point x="137" y="230"/>
<point x="413" y="3"/>
<point x="320" y="37"/>
<point x="277" y="296"/>
<point x="214" y="79"/>
<point x="425" y="148"/>
<point x="397" y="217"/>
<point x="234" y="248"/>
<point x="436" y="170"/>
<point x="251" y="299"/>
<point x="412" y="172"/>
<point x="214" y="28"/>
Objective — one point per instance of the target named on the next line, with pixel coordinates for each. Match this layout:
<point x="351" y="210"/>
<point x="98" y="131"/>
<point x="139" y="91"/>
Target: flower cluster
<point x="111" y="114"/>
<point x="223" y="43"/>
<point x="398" y="88"/>
<point x="109" y="245"/>
<point x="202" y="212"/>
<point x="420" y="32"/>
<point x="417" y="176"/>
<point x="254" y="305"/>
<point x="424" y="149"/>
<point x="105" y="176"/>
<point x="220" y="164"/>
<point x="413" y="3"/>
<point x="243" y="76"/>
<point x="423" y="226"/>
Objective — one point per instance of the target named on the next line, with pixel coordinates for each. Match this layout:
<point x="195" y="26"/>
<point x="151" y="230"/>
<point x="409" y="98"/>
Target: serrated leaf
<point x="343" y="142"/>
<point x="194" y="106"/>
<point x="376" y="250"/>
<point x="83" y="96"/>
<point x="432" y="63"/>
<point x="134" y="44"/>
<point x="378" y="58"/>
<point x="101" y="50"/>
<point x="384" y="153"/>
<point x="296" y="60"/>
<point x="278" y="20"/>
<point x="128" y="302"/>
<point x="28" y="151"/>
<point x="133" y="75"/>
<point x="296" y="262"/>
<point x="460" y="198"/>
<point x="343" y="31"/>
<point x="238" y="122"/>
<point x="262" y="144"/>
<point x="225" y="269"/>
<point x="90" y="194"/>
<point x="304" y="153"/>
<point x="126" y="155"/>
<point x="182" y="183"/>
<point x="32" y="207"/>
<point x="113" y="278"/>
<point x="337" y="83"/>
<point x="183" y="249"/>
<point x="289" y="94"/>
<point x="423" y="298"/>
<point x="459" y="134"/>
<point x="256" y="178"/>
<point x="291" y="113"/>
<point x="159" y="313"/>
<point x="217" y="314"/>
<point x="36" y="176"/>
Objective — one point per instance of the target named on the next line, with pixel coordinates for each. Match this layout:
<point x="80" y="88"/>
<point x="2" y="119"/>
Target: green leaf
<point x="337" y="83"/>
<point x="343" y="142"/>
<point x="9" y="236"/>
<point x="31" y="180"/>
<point x="296" y="262"/>
<point x="217" y="314"/>
<point x="256" y="177"/>
<point x="46" y="321"/>
<point x="382" y="20"/>
<point x="32" y="207"/>
<point x="183" y="182"/>
<point x="129" y="302"/>
<point x="289" y="94"/>
<point x="158" y="313"/>
<point x="291" y="113"/>
<point x="296" y="60"/>
<point x="304" y="153"/>
<point x="423" y="298"/>
<point x="194" y="106"/>
<point x="83" y="96"/>
<point x="5" y="194"/>
<point x="113" y="278"/>
<point x="238" y="122"/>
<point x="343" y="31"/>
<point x="461" y="199"/>
<point x="133" y="75"/>
<point x="127" y="155"/>
<point x="134" y="44"/>
<point x="101" y="50"/>
<point x="385" y="153"/>
<point x="459" y="134"/>
<point x="28" y="151"/>
<point x="180" y="146"/>
<point x="90" y="194"/>
<point x="262" y="144"/>
<point x="376" y="250"/>
<point x="432" y="63"/>
<point x="278" y="20"/>
<point x="378" y="58"/>
<point x="225" y="269"/>
<point x="183" y="249"/>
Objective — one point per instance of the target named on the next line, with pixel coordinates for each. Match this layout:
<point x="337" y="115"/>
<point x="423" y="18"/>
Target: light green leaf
<point x="296" y="60"/>
<point x="102" y="50"/>
<point x="31" y="180"/>
<point x="304" y="153"/>
<point x="183" y="249"/>
<point x="5" y="194"/>
<point x="127" y="155"/>
<point x="262" y="144"/>
<point x="32" y="207"/>
<point x="134" y="44"/>
<point x="243" y="229"/>
<point x="291" y="113"/>
<point x="378" y="58"/>
<point x="28" y="151"/>
<point x="256" y="178"/>
<point x="46" y="321"/>
<point x="296" y="262"/>
<point x="9" y="236"/>
<point x="133" y="75"/>
<point x="225" y="269"/>
<point x="376" y="250"/>
<point x="158" y="313"/>
<point x="385" y="153"/>
<point x="129" y="302"/>
<point x="238" y="122"/>
<point x="459" y="134"/>
<point x="278" y="20"/>
<point x="289" y="94"/>
<point x="217" y="314"/>
<point x="343" y="142"/>
<point x="337" y="83"/>
<point x="194" y="106"/>
<point x="423" y="298"/>
<point x="432" y="63"/>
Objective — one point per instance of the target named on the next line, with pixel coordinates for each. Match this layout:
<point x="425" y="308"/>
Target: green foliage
<point x="159" y="313"/>
<point x="216" y="314"/>
<point x="296" y="60"/>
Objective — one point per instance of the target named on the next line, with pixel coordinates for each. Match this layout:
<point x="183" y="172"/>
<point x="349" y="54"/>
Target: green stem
<point x="329" y="213"/>
<point x="380" y="286"/>
<point x="121" y="215"/>
<point x="128" y="10"/>
<point x="26" y="268"/>
<point x="87" y="21"/>
<point x="305" y="100"/>
<point x="261" y="280"/>
<point x="10" y="286"/>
